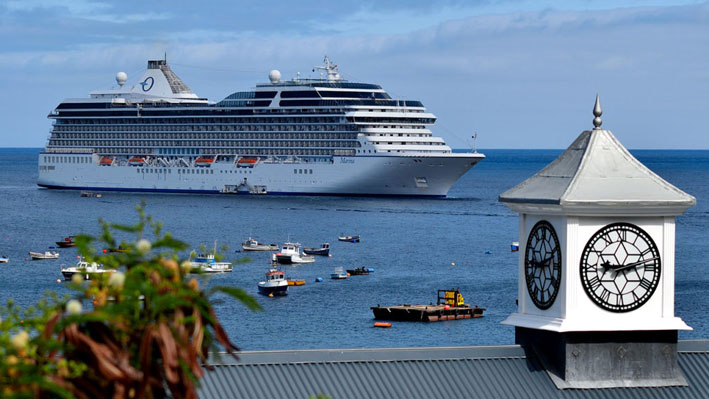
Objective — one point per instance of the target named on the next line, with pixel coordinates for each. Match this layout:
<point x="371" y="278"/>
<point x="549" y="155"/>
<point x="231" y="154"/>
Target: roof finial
<point x="597" y="112"/>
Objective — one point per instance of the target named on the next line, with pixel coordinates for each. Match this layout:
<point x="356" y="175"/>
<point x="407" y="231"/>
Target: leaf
<point x="239" y="294"/>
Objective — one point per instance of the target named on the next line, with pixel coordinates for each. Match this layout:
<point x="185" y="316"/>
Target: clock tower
<point x="596" y="277"/>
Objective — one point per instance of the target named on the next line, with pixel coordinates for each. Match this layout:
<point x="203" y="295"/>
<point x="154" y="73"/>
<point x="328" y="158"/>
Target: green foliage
<point x="143" y="330"/>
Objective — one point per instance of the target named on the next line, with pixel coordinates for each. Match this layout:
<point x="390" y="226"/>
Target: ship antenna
<point x="475" y="139"/>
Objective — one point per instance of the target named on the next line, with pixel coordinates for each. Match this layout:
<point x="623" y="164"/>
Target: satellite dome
<point x="274" y="76"/>
<point x="121" y="78"/>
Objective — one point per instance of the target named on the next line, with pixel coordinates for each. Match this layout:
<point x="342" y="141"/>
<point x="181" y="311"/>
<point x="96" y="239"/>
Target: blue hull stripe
<point x="178" y="191"/>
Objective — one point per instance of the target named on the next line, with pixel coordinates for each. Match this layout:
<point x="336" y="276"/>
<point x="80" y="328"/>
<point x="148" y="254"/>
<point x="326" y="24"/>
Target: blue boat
<point x="349" y="238"/>
<point x="324" y="250"/>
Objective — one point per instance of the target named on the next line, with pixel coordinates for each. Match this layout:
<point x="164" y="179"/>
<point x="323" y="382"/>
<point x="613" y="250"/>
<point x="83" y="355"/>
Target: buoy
<point x="488" y="252"/>
<point x="382" y="324"/>
<point x="446" y="307"/>
<point x="270" y="295"/>
<point x="95" y="303"/>
<point x="318" y="280"/>
<point x="371" y="270"/>
<point x="59" y="281"/>
<point x="348" y="275"/>
<point x="104" y="251"/>
<point x="452" y="263"/>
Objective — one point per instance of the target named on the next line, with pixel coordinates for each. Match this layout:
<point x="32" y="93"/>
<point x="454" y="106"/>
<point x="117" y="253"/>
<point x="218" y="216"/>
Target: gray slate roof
<point x="596" y="170"/>
<point x="412" y="373"/>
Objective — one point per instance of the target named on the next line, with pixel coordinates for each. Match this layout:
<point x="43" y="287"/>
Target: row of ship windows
<point x="144" y="120"/>
<point x="173" y="136"/>
<point x="58" y="159"/>
<point x="205" y="128"/>
<point x="302" y="171"/>
<point x="231" y="151"/>
<point x="158" y="143"/>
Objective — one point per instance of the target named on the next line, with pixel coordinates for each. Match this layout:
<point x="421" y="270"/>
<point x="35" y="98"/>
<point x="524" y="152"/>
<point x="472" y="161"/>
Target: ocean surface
<point x="416" y="246"/>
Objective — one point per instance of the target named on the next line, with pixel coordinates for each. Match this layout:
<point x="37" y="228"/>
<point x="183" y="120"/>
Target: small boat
<point x="85" y="268"/>
<point x="450" y="306"/>
<point x="275" y="283"/>
<point x="253" y="245"/>
<point x="44" y="255"/>
<point x="324" y="250"/>
<point x="91" y="194"/>
<point x="119" y="249"/>
<point x="297" y="282"/>
<point x="247" y="162"/>
<point x="359" y="271"/>
<point x="203" y="161"/>
<point x="290" y="254"/>
<point x="136" y="161"/>
<point x="514" y="247"/>
<point x="349" y="238"/>
<point x="106" y="161"/>
<point x="339" y="273"/>
<point x="4" y="259"/>
<point x="207" y="264"/>
<point x="66" y="242"/>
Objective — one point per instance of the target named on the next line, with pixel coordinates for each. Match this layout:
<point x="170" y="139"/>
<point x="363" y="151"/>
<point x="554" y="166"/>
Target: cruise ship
<point x="324" y="136"/>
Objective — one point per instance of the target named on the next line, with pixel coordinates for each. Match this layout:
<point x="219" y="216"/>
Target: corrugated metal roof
<point x="458" y="372"/>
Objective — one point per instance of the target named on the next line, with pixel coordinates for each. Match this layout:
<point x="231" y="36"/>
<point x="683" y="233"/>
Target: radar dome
<point x="121" y="78"/>
<point x="274" y="76"/>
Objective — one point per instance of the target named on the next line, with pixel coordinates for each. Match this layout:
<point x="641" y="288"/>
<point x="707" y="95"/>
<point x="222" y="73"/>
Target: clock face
<point x="620" y="267"/>
<point x="542" y="264"/>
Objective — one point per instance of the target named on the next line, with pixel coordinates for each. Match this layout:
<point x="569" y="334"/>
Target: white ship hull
<point x="427" y="176"/>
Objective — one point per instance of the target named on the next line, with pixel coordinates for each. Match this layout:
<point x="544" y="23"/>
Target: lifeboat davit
<point x="106" y="161"/>
<point x="203" y="161"/>
<point x="136" y="161"/>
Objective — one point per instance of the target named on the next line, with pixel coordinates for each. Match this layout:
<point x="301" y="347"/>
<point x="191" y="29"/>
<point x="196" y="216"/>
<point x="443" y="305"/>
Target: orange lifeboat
<point x="106" y="161"/>
<point x="247" y="161"/>
<point x="203" y="161"/>
<point x="136" y="161"/>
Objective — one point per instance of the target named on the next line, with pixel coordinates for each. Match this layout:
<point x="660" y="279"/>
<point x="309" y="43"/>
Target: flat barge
<point x="450" y="306"/>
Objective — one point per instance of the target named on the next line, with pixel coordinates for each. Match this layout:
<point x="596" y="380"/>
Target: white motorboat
<point x="339" y="273"/>
<point x="207" y="264"/>
<point x="84" y="268"/>
<point x="253" y="245"/>
<point x="290" y="254"/>
<point x="275" y="283"/>
<point x="4" y="259"/>
<point x="44" y="255"/>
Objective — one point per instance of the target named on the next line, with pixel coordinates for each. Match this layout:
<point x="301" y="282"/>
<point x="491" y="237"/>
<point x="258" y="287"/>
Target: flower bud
<point x="74" y="307"/>
<point x="77" y="278"/>
<point x="117" y="280"/>
<point x="20" y="340"/>
<point x="143" y="246"/>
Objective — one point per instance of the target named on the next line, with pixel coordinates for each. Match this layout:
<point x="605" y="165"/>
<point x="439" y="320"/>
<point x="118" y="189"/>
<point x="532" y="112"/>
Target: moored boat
<point x="450" y="306"/>
<point x="253" y="245"/>
<point x="324" y="250"/>
<point x="66" y="242"/>
<point x="296" y="282"/>
<point x="349" y="238"/>
<point x="359" y="271"/>
<point x="44" y="255"/>
<point x="290" y="254"/>
<point x="206" y="263"/>
<point x="83" y="268"/>
<point x="339" y="273"/>
<point x="4" y="259"/>
<point x="274" y="284"/>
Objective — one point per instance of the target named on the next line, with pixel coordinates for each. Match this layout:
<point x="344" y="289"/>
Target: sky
<point x="521" y="74"/>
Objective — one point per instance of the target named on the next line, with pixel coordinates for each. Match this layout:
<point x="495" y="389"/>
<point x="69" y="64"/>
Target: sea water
<point x="416" y="246"/>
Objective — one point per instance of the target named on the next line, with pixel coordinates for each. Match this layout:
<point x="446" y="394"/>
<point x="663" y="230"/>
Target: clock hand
<point x="618" y="268"/>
